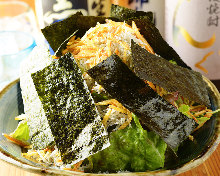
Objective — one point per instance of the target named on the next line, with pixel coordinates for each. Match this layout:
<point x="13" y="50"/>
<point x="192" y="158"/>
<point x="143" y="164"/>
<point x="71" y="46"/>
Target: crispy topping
<point x="104" y="40"/>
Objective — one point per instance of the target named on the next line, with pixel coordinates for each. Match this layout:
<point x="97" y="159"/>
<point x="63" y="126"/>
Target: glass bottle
<point x="50" y="11"/>
<point x="131" y="4"/>
<point x="193" y="30"/>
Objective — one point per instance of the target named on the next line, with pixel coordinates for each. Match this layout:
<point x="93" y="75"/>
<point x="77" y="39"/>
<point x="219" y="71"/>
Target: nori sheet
<point x="123" y="13"/>
<point x="156" y="41"/>
<point x="40" y="133"/>
<point x="73" y="119"/>
<point x="58" y="32"/>
<point x="155" y="112"/>
<point x="169" y="76"/>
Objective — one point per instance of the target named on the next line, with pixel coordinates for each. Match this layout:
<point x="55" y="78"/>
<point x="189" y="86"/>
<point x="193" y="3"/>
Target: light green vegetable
<point x="173" y="62"/>
<point x="216" y="111"/>
<point x="132" y="149"/>
<point x="184" y="109"/>
<point x="202" y="120"/>
<point x="22" y="132"/>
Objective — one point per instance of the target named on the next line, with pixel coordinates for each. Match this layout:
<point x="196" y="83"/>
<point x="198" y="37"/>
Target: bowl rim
<point x="187" y="166"/>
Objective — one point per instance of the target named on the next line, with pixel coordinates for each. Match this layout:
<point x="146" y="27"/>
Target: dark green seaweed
<point x="58" y="32"/>
<point x="123" y="13"/>
<point x="42" y="139"/>
<point x="171" y="77"/>
<point x="69" y="108"/>
<point x="154" y="112"/>
<point x="156" y="41"/>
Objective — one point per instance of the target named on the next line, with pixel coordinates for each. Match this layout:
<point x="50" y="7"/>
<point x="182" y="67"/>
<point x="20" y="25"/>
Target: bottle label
<point x="193" y="30"/>
<point x="131" y="4"/>
<point x="50" y="11"/>
<point x="99" y="7"/>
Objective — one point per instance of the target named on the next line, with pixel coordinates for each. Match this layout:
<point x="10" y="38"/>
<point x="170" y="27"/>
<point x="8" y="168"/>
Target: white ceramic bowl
<point x="190" y="154"/>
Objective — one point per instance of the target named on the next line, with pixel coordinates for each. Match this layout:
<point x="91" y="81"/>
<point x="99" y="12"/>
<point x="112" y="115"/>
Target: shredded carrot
<point x="109" y="37"/>
<point x="109" y="47"/>
<point x="46" y="149"/>
<point x="194" y="111"/>
<point x="200" y="113"/>
<point x="208" y="115"/>
<point x="147" y="46"/>
<point x="192" y="116"/>
<point x="116" y="51"/>
<point x="191" y="138"/>
<point x="151" y="85"/>
<point x="106" y="117"/>
<point x="118" y="109"/>
<point x="201" y="110"/>
<point x="129" y="119"/>
<point x="84" y="56"/>
<point x="16" y="141"/>
<point x="76" y="167"/>
<point x="20" y="117"/>
<point x="114" y="104"/>
<point x="59" y="160"/>
<point x="198" y="106"/>
<point x="106" y="102"/>
<point x="55" y="57"/>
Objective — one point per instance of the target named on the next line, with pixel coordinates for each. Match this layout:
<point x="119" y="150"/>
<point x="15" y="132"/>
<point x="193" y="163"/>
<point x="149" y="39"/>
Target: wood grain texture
<point x="211" y="167"/>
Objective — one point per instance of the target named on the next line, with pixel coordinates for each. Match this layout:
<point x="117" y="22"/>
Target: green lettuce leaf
<point x="184" y="109"/>
<point x="173" y="62"/>
<point x="22" y="132"/>
<point x="202" y="120"/>
<point x="132" y="149"/>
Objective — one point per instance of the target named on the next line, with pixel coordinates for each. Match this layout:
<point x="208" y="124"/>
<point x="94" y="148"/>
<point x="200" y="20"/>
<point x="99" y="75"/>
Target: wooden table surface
<point x="211" y="167"/>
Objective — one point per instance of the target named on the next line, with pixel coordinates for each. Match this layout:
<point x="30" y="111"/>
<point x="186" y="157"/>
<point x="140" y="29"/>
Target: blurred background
<point x="190" y="27"/>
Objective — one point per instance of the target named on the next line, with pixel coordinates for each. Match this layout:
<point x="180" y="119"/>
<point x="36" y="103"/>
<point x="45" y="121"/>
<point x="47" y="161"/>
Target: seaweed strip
<point x="73" y="119"/>
<point x="171" y="77"/>
<point x="156" y="41"/>
<point x="40" y="133"/>
<point x="155" y="112"/>
<point x="57" y="33"/>
<point x="123" y="13"/>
